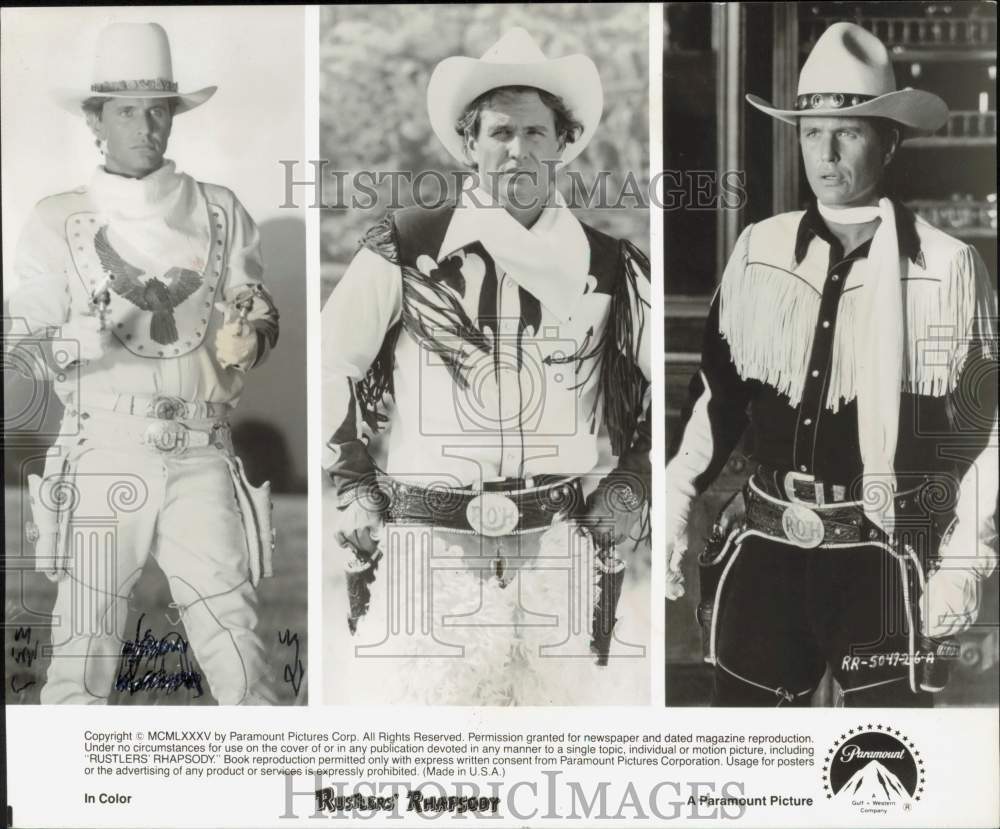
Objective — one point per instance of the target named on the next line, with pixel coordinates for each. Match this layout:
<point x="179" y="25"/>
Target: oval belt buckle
<point x="802" y="526"/>
<point x="165" y="407"/>
<point x="492" y="513"/>
<point x="166" y="436"/>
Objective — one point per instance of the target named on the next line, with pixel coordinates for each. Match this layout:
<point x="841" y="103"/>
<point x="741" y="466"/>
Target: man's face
<point x="136" y="131"/>
<point x="844" y="159"/>
<point x="517" y="135"/>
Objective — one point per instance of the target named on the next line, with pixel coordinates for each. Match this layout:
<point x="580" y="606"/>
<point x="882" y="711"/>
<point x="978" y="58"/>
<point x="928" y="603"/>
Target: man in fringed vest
<point x="505" y="344"/>
<point x="853" y="339"/>
<point x="143" y="292"/>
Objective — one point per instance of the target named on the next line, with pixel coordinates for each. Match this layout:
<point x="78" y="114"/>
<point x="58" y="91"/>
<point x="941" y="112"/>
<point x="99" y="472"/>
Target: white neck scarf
<point x="160" y="220"/>
<point x="550" y="259"/>
<point x="880" y="360"/>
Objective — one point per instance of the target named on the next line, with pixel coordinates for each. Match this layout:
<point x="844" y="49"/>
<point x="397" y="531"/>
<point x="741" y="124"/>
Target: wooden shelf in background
<point x="951" y="141"/>
<point x="935" y="55"/>
<point x="931" y="54"/>
<point x="972" y="233"/>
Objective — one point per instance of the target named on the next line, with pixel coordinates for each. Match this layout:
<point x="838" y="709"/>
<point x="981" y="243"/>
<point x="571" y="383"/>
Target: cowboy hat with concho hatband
<point x="132" y="60"/>
<point x="514" y="60"/>
<point x="849" y="74"/>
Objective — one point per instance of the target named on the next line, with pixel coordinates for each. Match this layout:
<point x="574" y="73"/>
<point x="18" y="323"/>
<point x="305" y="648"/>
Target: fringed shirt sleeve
<point x="39" y="299"/>
<point x="245" y="280"/>
<point x="715" y="417"/>
<point x="972" y="544"/>
<point x="356" y="318"/>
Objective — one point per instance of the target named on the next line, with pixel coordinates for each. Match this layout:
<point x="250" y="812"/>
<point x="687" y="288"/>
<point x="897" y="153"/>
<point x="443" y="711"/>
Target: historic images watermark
<point x="329" y="189"/>
<point x="32" y="363"/>
<point x="411" y="620"/>
<point x="551" y="796"/>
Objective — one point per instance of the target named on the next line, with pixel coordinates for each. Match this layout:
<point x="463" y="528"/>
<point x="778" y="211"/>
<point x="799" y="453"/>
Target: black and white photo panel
<point x="486" y="354"/>
<point x="831" y="355"/>
<point x="154" y="357"/>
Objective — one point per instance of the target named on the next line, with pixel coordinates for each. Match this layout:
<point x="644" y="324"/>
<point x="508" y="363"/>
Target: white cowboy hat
<point x="132" y="60"/>
<point x="514" y="60"/>
<point x="849" y="73"/>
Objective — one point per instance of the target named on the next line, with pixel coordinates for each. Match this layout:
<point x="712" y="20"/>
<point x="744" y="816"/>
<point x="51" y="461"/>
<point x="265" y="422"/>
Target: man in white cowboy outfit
<point x="849" y="337"/>
<point x="144" y="288"/>
<point x="508" y="337"/>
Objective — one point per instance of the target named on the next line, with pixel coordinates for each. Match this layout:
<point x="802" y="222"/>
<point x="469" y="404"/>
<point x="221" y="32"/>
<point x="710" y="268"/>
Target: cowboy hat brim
<point x="72" y="100"/>
<point x="920" y="111"/>
<point x="457" y="81"/>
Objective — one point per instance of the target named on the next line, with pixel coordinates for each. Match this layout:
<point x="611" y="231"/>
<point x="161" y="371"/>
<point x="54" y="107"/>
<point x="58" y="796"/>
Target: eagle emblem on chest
<point x="158" y="309"/>
<point x="157" y="296"/>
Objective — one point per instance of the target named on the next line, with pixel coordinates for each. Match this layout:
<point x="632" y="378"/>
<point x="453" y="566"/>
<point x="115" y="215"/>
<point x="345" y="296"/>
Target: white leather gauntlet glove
<point x="236" y="345"/>
<point x="80" y="340"/>
<point x="678" y="510"/>
<point x="951" y="603"/>
<point x="676" y="550"/>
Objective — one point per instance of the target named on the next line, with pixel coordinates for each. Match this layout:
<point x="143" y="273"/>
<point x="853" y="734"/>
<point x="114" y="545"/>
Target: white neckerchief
<point x="550" y="260"/>
<point x="156" y="222"/>
<point x="880" y="357"/>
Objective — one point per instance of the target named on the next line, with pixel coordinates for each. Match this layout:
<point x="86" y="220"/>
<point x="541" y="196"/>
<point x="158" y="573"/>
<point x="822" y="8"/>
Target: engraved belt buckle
<point x="163" y="407"/>
<point x="789" y="483"/>
<point x="492" y="514"/>
<point x="167" y="436"/>
<point x="802" y="526"/>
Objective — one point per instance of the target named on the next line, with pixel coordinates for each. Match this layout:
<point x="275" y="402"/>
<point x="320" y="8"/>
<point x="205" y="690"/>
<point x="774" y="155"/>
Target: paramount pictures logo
<point x="875" y="770"/>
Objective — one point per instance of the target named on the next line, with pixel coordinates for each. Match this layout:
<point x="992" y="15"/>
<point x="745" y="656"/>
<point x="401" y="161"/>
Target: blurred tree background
<point x="375" y="63"/>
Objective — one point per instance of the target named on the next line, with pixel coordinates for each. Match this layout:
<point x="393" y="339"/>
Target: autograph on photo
<point x="152" y="654"/>
<point x="293" y="672"/>
<point x="23" y="652"/>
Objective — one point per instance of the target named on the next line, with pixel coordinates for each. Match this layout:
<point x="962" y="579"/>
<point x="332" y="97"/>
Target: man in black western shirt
<point x="849" y="337"/>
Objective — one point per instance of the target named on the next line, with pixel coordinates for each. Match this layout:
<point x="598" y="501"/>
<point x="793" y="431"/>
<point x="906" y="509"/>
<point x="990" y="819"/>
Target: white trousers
<point x="130" y="502"/>
<point x="448" y="626"/>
